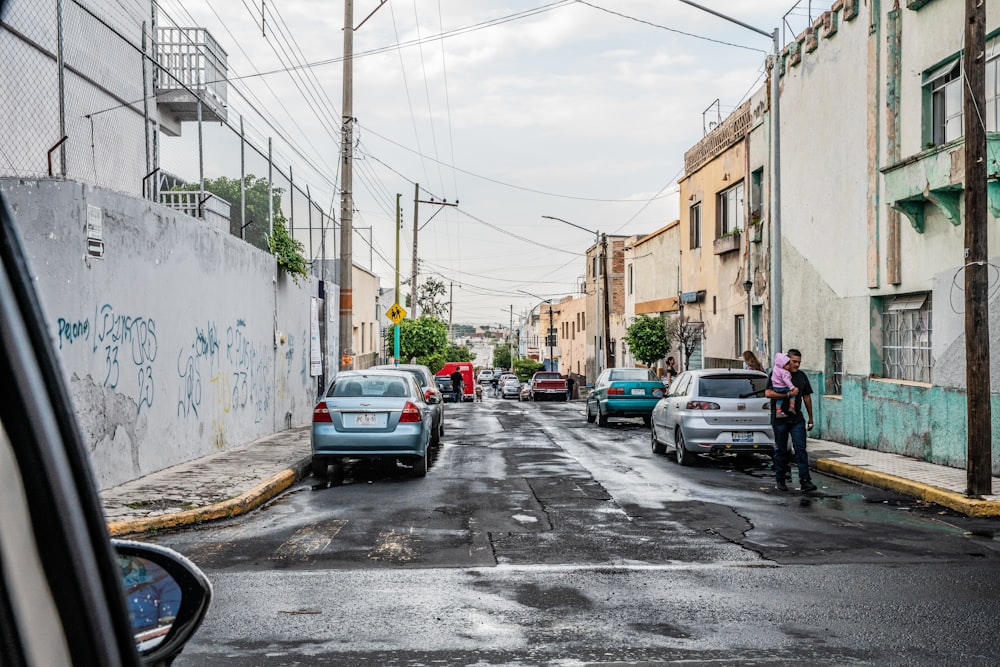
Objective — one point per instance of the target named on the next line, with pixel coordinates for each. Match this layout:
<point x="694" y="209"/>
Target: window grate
<point x="906" y="338"/>
<point x="836" y="369"/>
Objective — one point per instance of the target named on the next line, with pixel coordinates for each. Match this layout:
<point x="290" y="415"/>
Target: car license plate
<point x="364" y="419"/>
<point x="639" y="392"/>
<point x="742" y="436"/>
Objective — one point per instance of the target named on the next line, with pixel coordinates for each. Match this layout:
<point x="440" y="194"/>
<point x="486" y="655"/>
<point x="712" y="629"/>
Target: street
<point x="537" y="538"/>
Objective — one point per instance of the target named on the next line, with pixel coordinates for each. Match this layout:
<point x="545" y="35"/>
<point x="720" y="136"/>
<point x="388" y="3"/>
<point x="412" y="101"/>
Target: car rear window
<point x="633" y="375"/>
<point x="548" y="376"/>
<point x="730" y="386"/>
<point x="369" y="386"/>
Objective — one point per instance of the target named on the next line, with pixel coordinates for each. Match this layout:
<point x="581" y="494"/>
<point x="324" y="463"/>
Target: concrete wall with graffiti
<point x="180" y="341"/>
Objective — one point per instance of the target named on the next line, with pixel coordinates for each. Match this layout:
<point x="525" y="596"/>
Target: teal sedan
<point x="624" y="392"/>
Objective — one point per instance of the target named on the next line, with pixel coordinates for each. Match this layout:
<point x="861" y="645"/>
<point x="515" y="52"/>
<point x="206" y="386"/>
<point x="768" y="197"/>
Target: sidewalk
<point x="216" y="486"/>
<point x="238" y="480"/>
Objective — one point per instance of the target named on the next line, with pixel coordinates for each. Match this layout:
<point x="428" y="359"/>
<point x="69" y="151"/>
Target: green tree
<point x="430" y="298"/>
<point x="501" y="356"/>
<point x="524" y="368"/>
<point x="647" y="338"/>
<point x="689" y="334"/>
<point x="420" y="338"/>
<point x="289" y="253"/>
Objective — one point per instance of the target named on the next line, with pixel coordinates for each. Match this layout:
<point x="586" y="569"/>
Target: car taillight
<point x="702" y="405"/>
<point x="321" y="413"/>
<point x="430" y="392"/>
<point x="615" y="391"/>
<point x="411" y="414"/>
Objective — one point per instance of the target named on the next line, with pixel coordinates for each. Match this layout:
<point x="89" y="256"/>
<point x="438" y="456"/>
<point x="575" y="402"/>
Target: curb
<point x="226" y="509"/>
<point x="972" y="507"/>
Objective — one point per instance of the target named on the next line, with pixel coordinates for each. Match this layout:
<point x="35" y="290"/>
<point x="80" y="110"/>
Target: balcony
<point x="936" y="176"/>
<point x="728" y="243"/>
<point x="195" y="70"/>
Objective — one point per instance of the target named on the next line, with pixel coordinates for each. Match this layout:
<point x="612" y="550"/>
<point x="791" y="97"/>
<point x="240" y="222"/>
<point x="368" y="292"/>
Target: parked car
<point x="525" y="394"/>
<point x="63" y="582"/>
<point x="485" y="376"/>
<point x="444" y="385"/>
<point x="548" y="385"/>
<point x="372" y="414"/>
<point x="624" y="392"/>
<point x="430" y="387"/>
<point x="713" y="412"/>
<point x="510" y="388"/>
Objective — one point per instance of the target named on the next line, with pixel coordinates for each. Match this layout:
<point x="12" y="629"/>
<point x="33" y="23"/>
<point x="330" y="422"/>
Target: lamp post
<point x="598" y="339"/>
<point x="775" y="174"/>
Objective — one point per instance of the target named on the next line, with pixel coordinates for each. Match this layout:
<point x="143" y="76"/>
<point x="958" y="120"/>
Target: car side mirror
<point x="166" y="596"/>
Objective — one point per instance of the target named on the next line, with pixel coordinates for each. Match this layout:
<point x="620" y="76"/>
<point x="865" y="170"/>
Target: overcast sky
<point x="579" y="110"/>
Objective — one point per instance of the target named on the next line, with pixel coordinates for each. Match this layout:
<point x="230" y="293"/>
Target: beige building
<point x="573" y="335"/>
<point x="652" y="271"/>
<point x="612" y="303"/>
<point x="365" y="317"/>
<point x="721" y="196"/>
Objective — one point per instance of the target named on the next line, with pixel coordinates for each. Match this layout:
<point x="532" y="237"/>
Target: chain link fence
<point x="115" y="94"/>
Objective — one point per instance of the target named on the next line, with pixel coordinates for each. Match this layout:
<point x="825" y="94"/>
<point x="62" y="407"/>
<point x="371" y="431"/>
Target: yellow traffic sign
<point x="395" y="313"/>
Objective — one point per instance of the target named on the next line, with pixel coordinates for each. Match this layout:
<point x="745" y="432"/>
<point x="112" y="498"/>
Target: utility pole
<point x="607" y="302"/>
<point x="977" y="318"/>
<point x="451" y="307"/>
<point x="399" y="225"/>
<point x="416" y="261"/>
<point x="347" y="187"/>
<point x="510" y="336"/>
<point x="347" y="184"/>
<point x="551" y="340"/>
<point x="413" y="276"/>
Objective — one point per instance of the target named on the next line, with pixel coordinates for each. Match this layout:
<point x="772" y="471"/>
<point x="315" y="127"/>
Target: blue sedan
<point x="624" y="392"/>
<point x="372" y="414"/>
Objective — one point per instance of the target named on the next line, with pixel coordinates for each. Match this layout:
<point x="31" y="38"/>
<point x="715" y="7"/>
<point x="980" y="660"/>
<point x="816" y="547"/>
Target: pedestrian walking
<point x="793" y="427"/>
<point x="670" y="371"/>
<point x="456" y="385"/>
<point x="570" y="384"/>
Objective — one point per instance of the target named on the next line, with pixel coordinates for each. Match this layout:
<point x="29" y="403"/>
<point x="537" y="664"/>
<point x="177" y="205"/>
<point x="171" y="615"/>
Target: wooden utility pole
<point x="413" y="271"/>
<point x="977" y="320"/>
<point x="607" y="301"/>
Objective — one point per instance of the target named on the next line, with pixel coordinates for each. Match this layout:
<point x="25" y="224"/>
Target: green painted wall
<point x="927" y="423"/>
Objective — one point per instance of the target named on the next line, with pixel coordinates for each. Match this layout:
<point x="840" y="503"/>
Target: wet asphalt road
<point x="538" y="539"/>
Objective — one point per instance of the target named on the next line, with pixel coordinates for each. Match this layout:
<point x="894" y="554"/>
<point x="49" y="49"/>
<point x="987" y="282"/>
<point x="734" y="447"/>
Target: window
<point x="729" y="211"/>
<point x="906" y="337"/>
<point x="835" y="366"/>
<point x="756" y="194"/>
<point x="944" y="88"/>
<point x="630" y="279"/>
<point x="739" y="329"/>
<point x="694" y="215"/>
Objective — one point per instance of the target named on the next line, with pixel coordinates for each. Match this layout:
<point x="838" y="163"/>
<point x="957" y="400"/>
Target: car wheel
<point x="436" y="436"/>
<point x="647" y="420"/>
<point x="684" y="457"/>
<point x="590" y="415"/>
<point x="319" y="466"/>
<point x="658" y="447"/>
<point x="602" y="419"/>
<point x="420" y="466"/>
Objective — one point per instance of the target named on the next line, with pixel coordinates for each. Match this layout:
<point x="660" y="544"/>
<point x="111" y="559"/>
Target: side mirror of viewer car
<point x="166" y="595"/>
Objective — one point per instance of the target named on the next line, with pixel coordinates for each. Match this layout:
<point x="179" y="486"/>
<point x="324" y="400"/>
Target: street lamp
<point x="775" y="174"/>
<point x="601" y="272"/>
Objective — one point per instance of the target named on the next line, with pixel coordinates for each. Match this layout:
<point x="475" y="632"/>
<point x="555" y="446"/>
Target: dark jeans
<point x="797" y="431"/>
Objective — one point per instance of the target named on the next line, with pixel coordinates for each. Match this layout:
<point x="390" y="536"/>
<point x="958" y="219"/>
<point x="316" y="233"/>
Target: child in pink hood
<point x="781" y="382"/>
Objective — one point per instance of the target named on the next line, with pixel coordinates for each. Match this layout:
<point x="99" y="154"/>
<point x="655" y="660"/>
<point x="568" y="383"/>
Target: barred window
<point x="906" y="337"/>
<point x="835" y="366"/>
